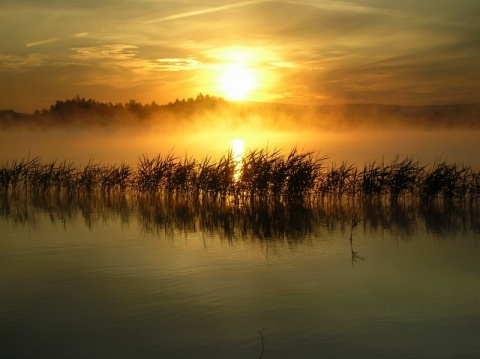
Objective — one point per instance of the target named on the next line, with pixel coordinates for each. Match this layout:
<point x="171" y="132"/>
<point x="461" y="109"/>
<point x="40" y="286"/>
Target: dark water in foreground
<point x="125" y="277"/>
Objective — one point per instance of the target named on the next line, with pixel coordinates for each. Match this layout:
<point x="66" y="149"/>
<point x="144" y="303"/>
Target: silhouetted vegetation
<point x="260" y="175"/>
<point x="89" y="112"/>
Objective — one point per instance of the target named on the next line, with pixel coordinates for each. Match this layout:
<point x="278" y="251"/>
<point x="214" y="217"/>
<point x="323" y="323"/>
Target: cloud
<point x="42" y="42"/>
<point x="20" y="63"/>
<point x="117" y="52"/>
<point x="340" y="6"/>
<point x="177" y="64"/>
<point x="205" y="11"/>
<point x="343" y="6"/>
<point x="127" y="57"/>
<point x="365" y="50"/>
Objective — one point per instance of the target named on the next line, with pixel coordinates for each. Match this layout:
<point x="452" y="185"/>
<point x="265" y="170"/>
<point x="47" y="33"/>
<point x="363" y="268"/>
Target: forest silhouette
<point x="79" y="111"/>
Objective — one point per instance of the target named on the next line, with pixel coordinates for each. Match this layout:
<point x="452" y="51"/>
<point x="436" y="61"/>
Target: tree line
<point x="89" y="111"/>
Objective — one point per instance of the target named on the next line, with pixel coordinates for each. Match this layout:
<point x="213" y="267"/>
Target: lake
<point x="130" y="275"/>
<point x="357" y="147"/>
<point x="127" y="276"/>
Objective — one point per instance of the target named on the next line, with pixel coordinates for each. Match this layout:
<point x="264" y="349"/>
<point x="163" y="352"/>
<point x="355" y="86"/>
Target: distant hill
<point x="361" y="116"/>
<point x="207" y="110"/>
<point x="375" y="115"/>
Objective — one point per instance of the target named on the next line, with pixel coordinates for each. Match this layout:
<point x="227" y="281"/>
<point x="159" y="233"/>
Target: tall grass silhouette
<point x="263" y="174"/>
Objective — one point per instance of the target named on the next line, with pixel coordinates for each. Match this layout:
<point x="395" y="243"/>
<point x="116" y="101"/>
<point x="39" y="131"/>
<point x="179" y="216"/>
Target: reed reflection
<point x="256" y="219"/>
<point x="260" y="220"/>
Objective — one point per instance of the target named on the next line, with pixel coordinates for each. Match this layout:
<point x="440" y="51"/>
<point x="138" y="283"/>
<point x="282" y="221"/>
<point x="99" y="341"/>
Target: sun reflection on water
<point x="238" y="149"/>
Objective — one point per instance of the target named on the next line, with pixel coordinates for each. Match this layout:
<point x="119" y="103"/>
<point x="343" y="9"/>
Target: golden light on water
<point x="238" y="149"/>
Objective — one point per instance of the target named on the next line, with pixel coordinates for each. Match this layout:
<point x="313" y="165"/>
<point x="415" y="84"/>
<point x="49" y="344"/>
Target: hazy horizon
<point x="46" y="106"/>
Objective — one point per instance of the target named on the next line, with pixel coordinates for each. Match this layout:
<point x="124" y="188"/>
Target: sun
<point x="237" y="81"/>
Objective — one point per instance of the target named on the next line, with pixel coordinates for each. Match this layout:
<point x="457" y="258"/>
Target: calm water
<point x="125" y="277"/>
<point x="355" y="147"/>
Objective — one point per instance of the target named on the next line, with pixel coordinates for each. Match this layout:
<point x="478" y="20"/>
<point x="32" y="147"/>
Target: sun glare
<point x="237" y="81"/>
<point x="238" y="147"/>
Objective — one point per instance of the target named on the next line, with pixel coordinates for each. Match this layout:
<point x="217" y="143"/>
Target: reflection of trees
<point x="254" y="220"/>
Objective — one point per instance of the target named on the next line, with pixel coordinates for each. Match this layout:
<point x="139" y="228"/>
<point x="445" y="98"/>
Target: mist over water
<point x="354" y="147"/>
<point x="80" y="130"/>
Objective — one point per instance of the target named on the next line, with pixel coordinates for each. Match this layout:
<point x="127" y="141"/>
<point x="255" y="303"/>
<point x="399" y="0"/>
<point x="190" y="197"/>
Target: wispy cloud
<point x="20" y="63"/>
<point x="177" y="64"/>
<point x="118" y="52"/>
<point x="127" y="57"/>
<point x="205" y="11"/>
<point x="339" y="6"/>
<point x="42" y="42"/>
<point x="343" y="6"/>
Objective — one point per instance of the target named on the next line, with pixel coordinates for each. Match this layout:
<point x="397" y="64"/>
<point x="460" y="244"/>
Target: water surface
<point x="157" y="277"/>
<point x="355" y="147"/>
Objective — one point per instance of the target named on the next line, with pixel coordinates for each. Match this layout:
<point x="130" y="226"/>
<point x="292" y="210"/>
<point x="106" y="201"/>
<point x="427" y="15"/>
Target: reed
<point x="262" y="174"/>
<point x="474" y="185"/>
<point x="403" y="176"/>
<point x="373" y="179"/>
<point x="214" y="179"/>
<point x="303" y="170"/>
<point x="224" y="179"/>
<point x="448" y="181"/>
<point x="152" y="175"/>
<point x="338" y="180"/>
<point x="88" y="178"/>
<point x="182" y="178"/>
<point x="265" y="174"/>
<point x="115" y="178"/>
<point x="42" y="177"/>
<point x="15" y="173"/>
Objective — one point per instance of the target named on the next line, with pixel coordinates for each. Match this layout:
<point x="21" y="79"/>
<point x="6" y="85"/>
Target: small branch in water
<point x="263" y="344"/>
<point x="355" y="222"/>
<point x="355" y="256"/>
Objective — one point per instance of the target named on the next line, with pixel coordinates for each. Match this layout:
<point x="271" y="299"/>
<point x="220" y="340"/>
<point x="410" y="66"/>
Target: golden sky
<point x="304" y="52"/>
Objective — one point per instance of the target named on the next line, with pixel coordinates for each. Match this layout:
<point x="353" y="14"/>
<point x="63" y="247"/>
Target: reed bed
<point x="260" y="174"/>
<point x="271" y="174"/>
